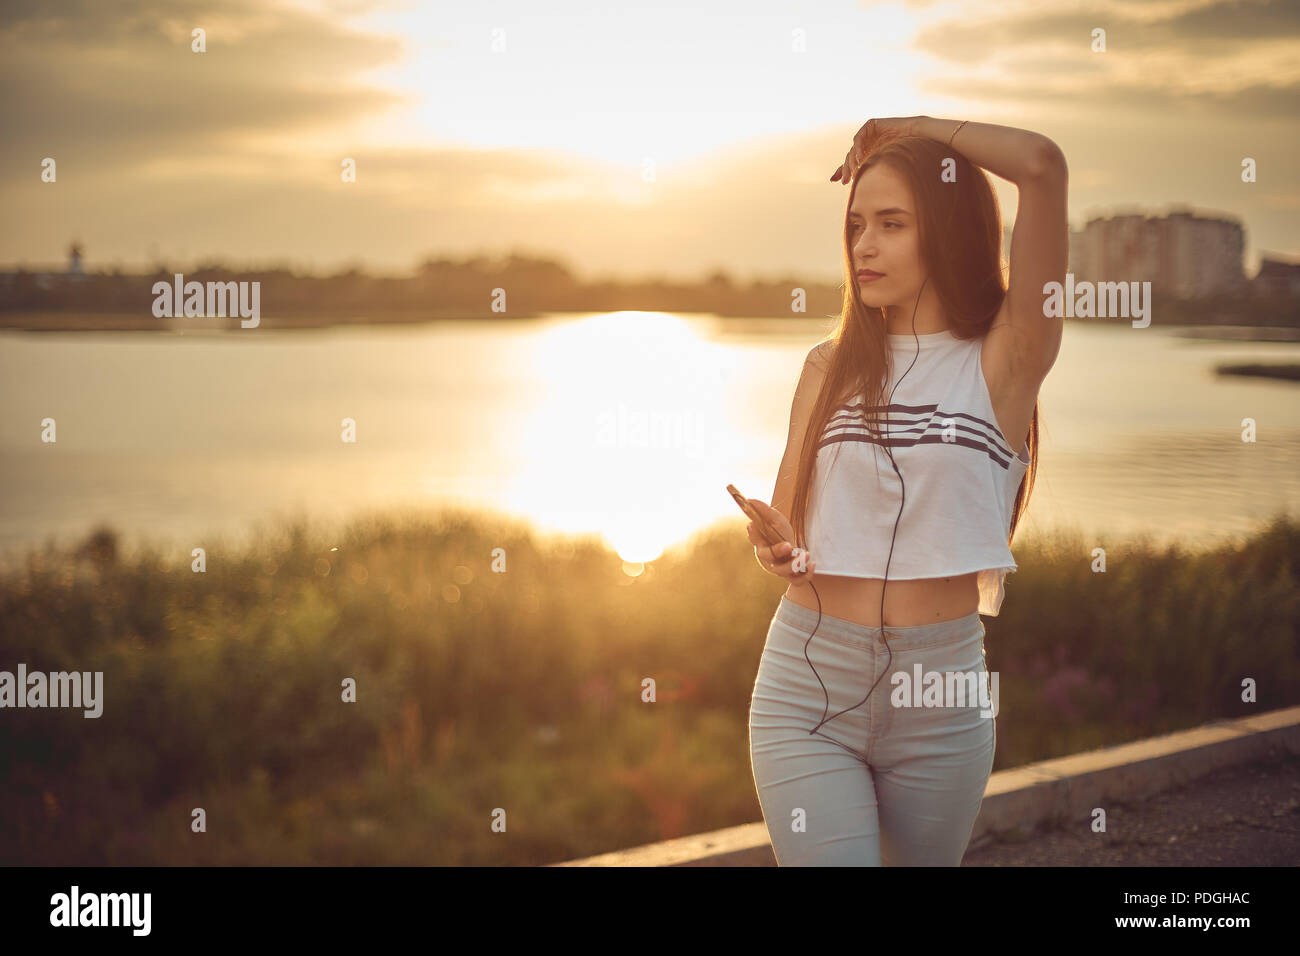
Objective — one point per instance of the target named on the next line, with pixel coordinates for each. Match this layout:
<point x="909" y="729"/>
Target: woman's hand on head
<point x="778" y="559"/>
<point x="865" y="139"/>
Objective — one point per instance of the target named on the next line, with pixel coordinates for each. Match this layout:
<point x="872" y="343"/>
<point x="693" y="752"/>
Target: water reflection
<point x="628" y="432"/>
<point x="628" y="425"/>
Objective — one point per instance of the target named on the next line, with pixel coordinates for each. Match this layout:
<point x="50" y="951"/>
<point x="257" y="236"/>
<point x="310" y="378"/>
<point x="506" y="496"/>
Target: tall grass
<point x="482" y="693"/>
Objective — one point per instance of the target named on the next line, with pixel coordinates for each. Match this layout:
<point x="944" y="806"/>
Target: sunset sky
<point x="465" y="147"/>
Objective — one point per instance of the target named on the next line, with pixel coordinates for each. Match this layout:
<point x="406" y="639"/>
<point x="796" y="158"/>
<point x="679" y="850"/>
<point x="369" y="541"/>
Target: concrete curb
<point x="1024" y="798"/>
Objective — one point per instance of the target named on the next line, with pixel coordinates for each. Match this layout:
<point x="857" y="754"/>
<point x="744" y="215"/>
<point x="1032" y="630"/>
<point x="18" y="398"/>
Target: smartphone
<point x="766" y="530"/>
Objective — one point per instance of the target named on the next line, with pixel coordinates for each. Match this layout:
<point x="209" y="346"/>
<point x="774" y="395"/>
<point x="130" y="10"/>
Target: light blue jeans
<point x="879" y="784"/>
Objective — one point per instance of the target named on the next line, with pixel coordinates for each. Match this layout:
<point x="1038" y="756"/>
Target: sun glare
<point x="630" y="425"/>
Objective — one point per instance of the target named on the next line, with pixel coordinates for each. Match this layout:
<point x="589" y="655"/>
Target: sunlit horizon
<point x="590" y="135"/>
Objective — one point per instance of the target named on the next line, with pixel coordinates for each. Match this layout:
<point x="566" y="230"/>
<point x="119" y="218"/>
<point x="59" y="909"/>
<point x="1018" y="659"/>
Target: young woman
<point x="911" y="455"/>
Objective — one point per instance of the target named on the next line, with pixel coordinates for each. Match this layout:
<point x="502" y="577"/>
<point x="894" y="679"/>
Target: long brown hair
<point x="960" y="239"/>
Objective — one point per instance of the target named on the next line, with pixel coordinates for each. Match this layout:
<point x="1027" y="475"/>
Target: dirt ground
<point x="1239" y="816"/>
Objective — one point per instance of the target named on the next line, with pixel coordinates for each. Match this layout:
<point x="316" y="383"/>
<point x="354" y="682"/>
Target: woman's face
<point x="883" y="238"/>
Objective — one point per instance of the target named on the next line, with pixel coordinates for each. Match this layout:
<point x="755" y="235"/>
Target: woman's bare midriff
<point x="907" y="603"/>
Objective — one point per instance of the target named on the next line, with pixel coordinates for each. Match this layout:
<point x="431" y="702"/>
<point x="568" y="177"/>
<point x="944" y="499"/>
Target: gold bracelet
<point x="957" y="130"/>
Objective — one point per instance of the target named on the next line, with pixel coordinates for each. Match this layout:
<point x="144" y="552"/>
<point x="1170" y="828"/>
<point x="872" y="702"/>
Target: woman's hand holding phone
<point x="777" y="559"/>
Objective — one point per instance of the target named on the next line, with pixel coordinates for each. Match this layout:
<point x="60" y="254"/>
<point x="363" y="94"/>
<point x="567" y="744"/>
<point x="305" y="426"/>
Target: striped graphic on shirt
<point x="848" y="423"/>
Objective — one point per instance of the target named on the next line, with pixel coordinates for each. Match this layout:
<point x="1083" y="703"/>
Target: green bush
<point x="522" y="690"/>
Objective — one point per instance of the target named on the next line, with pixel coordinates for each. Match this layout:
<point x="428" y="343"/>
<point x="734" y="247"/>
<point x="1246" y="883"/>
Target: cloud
<point x="1257" y="101"/>
<point x="1233" y="58"/>
<point x="104" y="86"/>
<point x="1217" y="27"/>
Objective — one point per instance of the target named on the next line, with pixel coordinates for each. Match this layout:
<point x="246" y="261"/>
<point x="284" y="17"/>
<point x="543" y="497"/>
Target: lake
<point x="627" y="424"/>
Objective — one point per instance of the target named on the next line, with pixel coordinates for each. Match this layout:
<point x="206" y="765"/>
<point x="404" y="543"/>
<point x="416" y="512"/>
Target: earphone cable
<point x="889" y="559"/>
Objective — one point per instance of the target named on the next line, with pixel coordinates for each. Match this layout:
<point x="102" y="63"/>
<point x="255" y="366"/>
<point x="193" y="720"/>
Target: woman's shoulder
<point x="819" y="356"/>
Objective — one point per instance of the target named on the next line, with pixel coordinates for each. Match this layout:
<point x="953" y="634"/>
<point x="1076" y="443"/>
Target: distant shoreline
<point x="1250" y="333"/>
<point x="137" y="322"/>
<point x="74" y="321"/>
<point x="1289" y="373"/>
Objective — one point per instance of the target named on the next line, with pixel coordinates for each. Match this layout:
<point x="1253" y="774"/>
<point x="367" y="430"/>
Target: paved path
<point x="1239" y="816"/>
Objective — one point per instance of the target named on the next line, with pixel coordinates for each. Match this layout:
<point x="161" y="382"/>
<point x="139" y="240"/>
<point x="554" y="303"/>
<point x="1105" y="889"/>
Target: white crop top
<point x="960" y="476"/>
